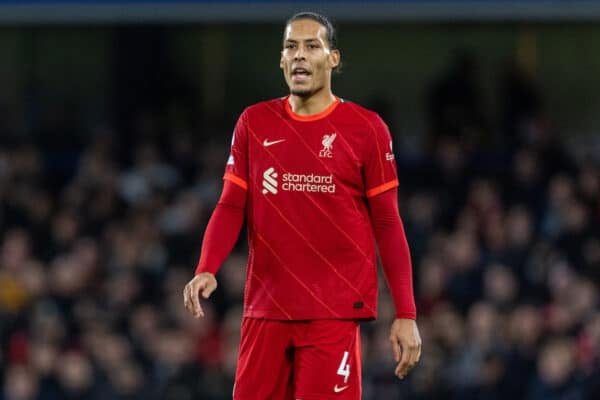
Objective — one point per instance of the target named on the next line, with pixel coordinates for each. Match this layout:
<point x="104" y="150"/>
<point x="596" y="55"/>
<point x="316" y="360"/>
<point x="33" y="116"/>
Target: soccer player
<point x="316" y="179"/>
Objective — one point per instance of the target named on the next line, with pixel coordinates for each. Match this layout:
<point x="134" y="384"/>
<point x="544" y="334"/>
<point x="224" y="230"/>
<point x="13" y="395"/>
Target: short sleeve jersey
<point x="311" y="245"/>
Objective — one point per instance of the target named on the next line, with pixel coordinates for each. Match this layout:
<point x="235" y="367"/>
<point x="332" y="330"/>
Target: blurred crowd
<point x="503" y="224"/>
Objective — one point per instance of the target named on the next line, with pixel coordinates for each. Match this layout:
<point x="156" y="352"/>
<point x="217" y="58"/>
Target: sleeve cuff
<point x="406" y="315"/>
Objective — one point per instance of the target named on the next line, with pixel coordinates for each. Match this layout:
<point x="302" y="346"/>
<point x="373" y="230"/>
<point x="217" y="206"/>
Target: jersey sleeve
<point x="379" y="168"/>
<point x="394" y="251"/>
<point x="236" y="170"/>
<point x="223" y="228"/>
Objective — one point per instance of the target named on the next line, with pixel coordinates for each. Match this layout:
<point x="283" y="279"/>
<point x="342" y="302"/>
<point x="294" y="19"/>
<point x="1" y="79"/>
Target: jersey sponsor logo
<point x="230" y="160"/>
<point x="338" y="389"/>
<point x="390" y="156"/>
<point x="270" y="181"/>
<point x="327" y="142"/>
<point x="290" y="182"/>
<point x="268" y="143"/>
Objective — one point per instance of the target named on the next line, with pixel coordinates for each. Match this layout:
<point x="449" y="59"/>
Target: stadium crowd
<point x="503" y="224"/>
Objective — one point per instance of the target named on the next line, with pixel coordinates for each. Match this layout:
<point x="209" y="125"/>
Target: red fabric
<point x="223" y="228"/>
<point x="323" y="356"/>
<point x="394" y="252"/>
<point x="311" y="242"/>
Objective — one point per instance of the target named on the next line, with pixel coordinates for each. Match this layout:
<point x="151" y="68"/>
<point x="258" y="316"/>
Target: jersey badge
<point x="327" y="142"/>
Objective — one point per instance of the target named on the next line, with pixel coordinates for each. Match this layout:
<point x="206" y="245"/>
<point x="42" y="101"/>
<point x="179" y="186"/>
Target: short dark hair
<point x="321" y="19"/>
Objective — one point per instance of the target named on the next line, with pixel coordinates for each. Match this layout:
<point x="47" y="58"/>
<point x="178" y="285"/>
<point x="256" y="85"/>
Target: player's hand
<point x="204" y="283"/>
<point x="406" y="344"/>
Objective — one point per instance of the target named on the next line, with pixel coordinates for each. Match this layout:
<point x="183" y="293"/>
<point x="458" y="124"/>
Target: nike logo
<point x="340" y="389"/>
<point x="266" y="143"/>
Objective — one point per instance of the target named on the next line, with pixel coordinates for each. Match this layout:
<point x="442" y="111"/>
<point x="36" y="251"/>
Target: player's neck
<point x="311" y="105"/>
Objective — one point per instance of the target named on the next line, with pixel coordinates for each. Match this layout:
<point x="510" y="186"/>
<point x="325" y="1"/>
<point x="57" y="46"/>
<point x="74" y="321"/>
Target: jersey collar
<point x="313" y="117"/>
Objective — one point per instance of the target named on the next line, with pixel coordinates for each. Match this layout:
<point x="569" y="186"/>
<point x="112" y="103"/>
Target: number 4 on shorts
<point x="344" y="368"/>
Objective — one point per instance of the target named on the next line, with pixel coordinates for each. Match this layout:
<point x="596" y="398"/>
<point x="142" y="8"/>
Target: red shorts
<point x="308" y="360"/>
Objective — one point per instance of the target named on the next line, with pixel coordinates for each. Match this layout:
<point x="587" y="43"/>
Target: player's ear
<point x="281" y="60"/>
<point x="334" y="58"/>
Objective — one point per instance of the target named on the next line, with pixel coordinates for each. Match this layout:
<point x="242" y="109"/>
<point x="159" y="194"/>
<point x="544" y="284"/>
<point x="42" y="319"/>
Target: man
<point x="316" y="178"/>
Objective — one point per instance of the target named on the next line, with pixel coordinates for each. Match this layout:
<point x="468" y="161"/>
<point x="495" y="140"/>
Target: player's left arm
<point x="395" y="258"/>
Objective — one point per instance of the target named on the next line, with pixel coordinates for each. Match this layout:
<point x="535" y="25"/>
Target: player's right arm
<point x="219" y="239"/>
<point x="225" y="222"/>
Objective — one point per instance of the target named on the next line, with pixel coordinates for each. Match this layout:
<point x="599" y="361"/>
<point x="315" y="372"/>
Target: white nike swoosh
<point x="339" y="389"/>
<point x="266" y="143"/>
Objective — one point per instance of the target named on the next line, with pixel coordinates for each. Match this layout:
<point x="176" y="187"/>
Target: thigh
<point x="327" y="361"/>
<point x="264" y="369"/>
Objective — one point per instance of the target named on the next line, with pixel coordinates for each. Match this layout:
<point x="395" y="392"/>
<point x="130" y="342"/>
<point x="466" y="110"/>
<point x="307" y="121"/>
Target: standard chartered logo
<point x="270" y="181"/>
<point x="297" y="182"/>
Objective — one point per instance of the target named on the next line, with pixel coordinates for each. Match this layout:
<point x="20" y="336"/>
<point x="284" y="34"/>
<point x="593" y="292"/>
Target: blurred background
<point x="115" y="124"/>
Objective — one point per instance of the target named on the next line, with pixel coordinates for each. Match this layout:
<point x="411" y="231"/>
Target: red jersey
<point x="311" y="245"/>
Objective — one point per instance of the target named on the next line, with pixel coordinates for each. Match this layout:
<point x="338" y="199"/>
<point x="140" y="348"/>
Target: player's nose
<point x="299" y="53"/>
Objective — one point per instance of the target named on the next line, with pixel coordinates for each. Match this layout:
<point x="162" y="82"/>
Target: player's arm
<point x="219" y="239"/>
<point x="395" y="258"/>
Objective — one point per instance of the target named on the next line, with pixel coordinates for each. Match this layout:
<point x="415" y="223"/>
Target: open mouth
<point x="300" y="74"/>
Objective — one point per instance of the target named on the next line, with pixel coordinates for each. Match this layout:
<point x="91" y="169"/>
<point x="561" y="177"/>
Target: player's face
<point x="306" y="59"/>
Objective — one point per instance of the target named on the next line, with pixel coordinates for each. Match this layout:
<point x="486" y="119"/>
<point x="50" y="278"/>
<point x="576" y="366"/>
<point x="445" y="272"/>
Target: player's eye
<point x="290" y="45"/>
